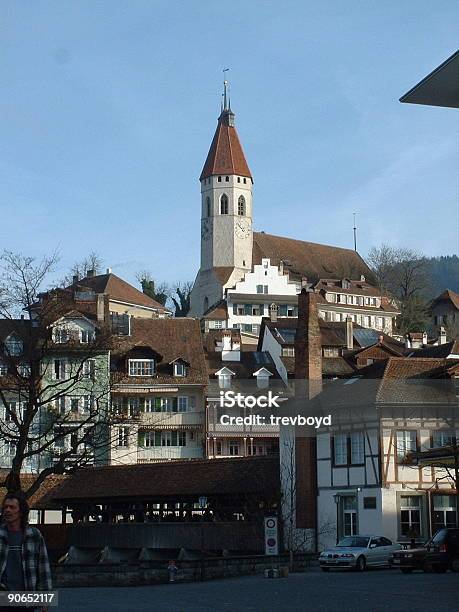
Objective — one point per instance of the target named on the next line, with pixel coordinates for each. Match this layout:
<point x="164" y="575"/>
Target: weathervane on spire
<point x="226" y="101"/>
<point x="355" y="233"/>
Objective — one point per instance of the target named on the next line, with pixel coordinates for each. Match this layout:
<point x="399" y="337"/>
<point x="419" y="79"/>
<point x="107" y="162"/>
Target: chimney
<point x="226" y="338"/>
<point x="89" y="273"/>
<point x="74" y="279"/>
<point x="308" y="343"/>
<point x="424" y="339"/>
<point x="442" y="335"/>
<point x="281" y="267"/>
<point x="308" y="368"/>
<point x="102" y="308"/>
<point x="407" y="341"/>
<point x="349" y="333"/>
<point x="109" y="270"/>
<point x="273" y="312"/>
<point x="362" y="278"/>
<point x="231" y="350"/>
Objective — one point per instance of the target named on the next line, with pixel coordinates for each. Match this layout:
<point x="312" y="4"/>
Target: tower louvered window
<point x="224" y="205"/>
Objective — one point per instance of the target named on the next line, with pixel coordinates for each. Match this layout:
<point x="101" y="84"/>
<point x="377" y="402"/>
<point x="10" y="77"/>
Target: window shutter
<point x="235" y="309"/>
<point x="157" y="438"/>
<point x="248" y="309"/>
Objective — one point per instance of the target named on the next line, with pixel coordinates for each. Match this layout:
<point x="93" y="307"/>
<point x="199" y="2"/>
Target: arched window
<point x="241" y="205"/>
<point x="208" y="206"/>
<point x="224" y="205"/>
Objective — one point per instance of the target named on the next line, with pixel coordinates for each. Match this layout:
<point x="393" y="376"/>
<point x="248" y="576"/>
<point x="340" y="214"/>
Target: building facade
<point x="158" y="383"/>
<point x="367" y="478"/>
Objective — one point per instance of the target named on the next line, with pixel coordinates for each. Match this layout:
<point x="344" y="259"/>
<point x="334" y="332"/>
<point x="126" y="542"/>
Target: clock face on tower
<point x="242" y="229"/>
<point x="206" y="229"/>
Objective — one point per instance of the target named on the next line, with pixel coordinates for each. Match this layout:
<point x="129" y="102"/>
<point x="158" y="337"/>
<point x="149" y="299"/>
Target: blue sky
<point x="108" y="109"/>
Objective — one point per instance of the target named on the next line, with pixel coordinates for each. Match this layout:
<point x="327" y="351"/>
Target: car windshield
<point x="354" y="542"/>
<point x="439" y="537"/>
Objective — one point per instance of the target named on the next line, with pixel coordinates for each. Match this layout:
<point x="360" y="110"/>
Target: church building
<point x="243" y="273"/>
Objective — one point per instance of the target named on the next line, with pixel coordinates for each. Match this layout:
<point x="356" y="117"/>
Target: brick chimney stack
<point x="308" y="368"/>
<point x="308" y="343"/>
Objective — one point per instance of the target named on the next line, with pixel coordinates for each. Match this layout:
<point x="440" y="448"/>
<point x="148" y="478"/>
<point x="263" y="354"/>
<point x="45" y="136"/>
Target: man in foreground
<point x="24" y="564"/>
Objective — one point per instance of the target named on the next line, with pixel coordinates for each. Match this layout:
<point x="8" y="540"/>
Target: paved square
<point x="374" y="590"/>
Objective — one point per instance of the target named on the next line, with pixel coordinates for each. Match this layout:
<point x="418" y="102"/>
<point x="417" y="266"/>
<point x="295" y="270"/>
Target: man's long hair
<point x="23" y="506"/>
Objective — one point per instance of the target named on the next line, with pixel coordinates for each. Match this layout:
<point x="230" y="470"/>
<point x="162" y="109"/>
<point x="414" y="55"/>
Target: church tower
<point x="226" y="214"/>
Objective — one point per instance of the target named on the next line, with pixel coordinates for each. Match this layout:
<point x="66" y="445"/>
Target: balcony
<point x="172" y="419"/>
<point x="164" y="453"/>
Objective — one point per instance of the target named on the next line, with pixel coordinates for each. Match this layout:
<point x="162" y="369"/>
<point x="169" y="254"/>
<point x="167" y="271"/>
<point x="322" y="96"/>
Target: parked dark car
<point x="439" y="554"/>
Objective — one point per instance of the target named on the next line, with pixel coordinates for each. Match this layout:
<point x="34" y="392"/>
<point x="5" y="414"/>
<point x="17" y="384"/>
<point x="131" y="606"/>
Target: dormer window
<point x="179" y="369"/>
<point x="13" y="345"/>
<point x="225" y="376"/>
<point x="86" y="336"/>
<point x="141" y="367"/>
<point x="60" y="335"/>
<point x="262" y="375"/>
<point x="224" y="381"/>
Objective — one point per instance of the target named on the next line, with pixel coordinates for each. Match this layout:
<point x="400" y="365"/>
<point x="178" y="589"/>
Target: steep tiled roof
<point x="209" y="477"/>
<point x="41" y="499"/>
<point x="118" y="290"/>
<point x="308" y="259"/>
<point x="217" y="311"/>
<point x="440" y="351"/>
<point x="223" y="273"/>
<point x="333" y="334"/>
<point x="357" y="287"/>
<point x="398" y="381"/>
<point x="416" y="381"/>
<point x="225" y="154"/>
<point x="19" y="326"/>
<point x="447" y="296"/>
<point x="250" y="362"/>
<point x="170" y="338"/>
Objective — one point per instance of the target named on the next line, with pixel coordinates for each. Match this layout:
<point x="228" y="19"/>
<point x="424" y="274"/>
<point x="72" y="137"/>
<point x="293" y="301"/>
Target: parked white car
<point x="358" y="552"/>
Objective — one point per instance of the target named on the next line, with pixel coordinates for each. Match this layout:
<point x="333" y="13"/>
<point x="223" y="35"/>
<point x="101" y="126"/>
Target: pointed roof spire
<point x="225" y="154"/>
<point x="226" y="106"/>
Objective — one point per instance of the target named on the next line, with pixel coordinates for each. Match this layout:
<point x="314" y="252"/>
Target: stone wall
<point x="155" y="572"/>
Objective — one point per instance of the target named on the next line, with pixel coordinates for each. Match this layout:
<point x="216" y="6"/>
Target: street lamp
<point x="336" y="499"/>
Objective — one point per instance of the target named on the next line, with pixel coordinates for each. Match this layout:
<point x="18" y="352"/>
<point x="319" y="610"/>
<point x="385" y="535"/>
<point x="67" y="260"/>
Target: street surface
<point x="374" y="590"/>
